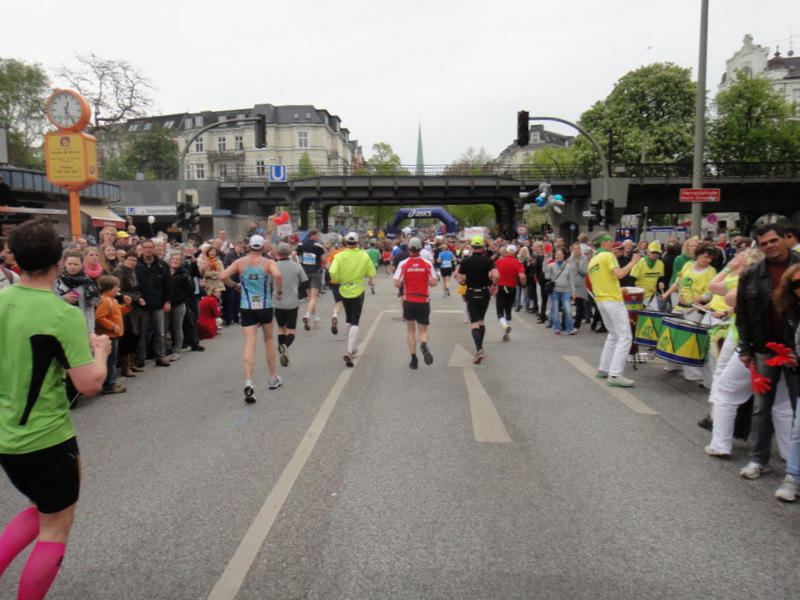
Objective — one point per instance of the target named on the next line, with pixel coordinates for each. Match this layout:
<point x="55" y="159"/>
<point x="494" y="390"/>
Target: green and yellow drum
<point x="649" y="326"/>
<point x="683" y="342"/>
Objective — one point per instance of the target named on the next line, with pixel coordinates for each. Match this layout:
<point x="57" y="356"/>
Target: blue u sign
<point x="277" y="172"/>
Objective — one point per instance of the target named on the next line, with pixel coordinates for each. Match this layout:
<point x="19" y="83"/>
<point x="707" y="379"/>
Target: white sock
<point x="351" y="338"/>
<point x="503" y="322"/>
<point x="247" y="383"/>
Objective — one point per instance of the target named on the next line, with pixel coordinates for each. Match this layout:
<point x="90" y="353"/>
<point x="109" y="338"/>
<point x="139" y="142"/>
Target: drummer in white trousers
<point x="604" y="275"/>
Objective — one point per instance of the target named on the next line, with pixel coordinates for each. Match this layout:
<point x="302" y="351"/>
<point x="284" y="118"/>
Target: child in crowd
<point x="108" y="321"/>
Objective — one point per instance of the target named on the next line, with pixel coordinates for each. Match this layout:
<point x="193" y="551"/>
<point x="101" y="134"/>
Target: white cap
<point x="511" y="249"/>
<point x="256" y="242"/>
<point x="351" y="238"/>
<point x="415" y="243"/>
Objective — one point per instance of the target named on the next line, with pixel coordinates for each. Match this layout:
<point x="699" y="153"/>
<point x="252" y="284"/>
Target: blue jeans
<point x="761" y="429"/>
<point x="565" y="300"/>
<point x="111" y="364"/>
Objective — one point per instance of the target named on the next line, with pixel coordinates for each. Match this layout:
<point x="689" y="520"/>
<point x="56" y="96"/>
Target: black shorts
<point x="417" y="311"/>
<point x="50" y="478"/>
<point x="259" y="316"/>
<point x="286" y="317"/>
<point x="477" y="304"/>
<point x="446" y="271"/>
<point x="353" y="308"/>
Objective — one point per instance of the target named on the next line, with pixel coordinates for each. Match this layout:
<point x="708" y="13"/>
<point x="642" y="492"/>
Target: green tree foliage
<point x="472" y="162"/>
<point x="750" y="123"/>
<point x="305" y="168"/>
<point x="552" y="162"/>
<point x="24" y="89"/>
<point x="471" y="215"/>
<point x="153" y="153"/>
<point x="379" y="216"/>
<point x="649" y="112"/>
<point x="383" y="162"/>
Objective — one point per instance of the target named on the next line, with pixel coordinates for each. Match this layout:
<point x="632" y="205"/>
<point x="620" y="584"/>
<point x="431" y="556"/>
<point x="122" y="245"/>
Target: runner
<point x="446" y="261"/>
<point x="479" y="274"/>
<point x="312" y="255"/>
<point x="414" y="276"/>
<point x="510" y="273"/>
<point x="286" y="308"/>
<point x="258" y="277"/>
<point x="349" y="269"/>
<point x="38" y="448"/>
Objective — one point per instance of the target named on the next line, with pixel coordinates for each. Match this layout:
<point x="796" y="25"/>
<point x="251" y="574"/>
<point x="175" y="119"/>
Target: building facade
<point x="783" y="73"/>
<point x="306" y="140"/>
<point x="539" y="137"/>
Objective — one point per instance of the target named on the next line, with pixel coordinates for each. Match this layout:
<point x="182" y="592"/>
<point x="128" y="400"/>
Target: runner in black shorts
<point x="479" y="274"/>
<point x="38" y="449"/>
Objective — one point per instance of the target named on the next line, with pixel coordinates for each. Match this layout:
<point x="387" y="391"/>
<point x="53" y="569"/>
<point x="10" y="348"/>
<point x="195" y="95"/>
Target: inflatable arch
<point x="423" y="213"/>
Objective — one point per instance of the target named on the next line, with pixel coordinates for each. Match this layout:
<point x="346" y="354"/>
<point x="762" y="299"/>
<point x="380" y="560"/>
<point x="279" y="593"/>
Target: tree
<point x="154" y="153"/>
<point x="383" y="162"/>
<point x="116" y="90"/>
<point x="380" y="216"/>
<point x="472" y="162"/>
<point x="24" y="89"/>
<point x="647" y="117"/>
<point x="751" y="124"/>
<point x="471" y="215"/>
<point x="305" y="168"/>
<point x="552" y="162"/>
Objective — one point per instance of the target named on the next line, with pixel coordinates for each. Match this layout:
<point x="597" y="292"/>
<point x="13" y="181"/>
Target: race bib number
<point x="446" y="264"/>
<point x="256" y="302"/>
<point x="309" y="258"/>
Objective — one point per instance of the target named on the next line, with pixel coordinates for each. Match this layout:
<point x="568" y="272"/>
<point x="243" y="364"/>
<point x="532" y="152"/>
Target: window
<point x="223" y="171"/>
<point x="148" y="126"/>
<point x="221" y="118"/>
<point x="199" y="171"/>
<point x="198" y="145"/>
<point x="188" y="123"/>
<point x="133" y="127"/>
<point x="535" y="138"/>
<point x="308" y="116"/>
<point x="296" y="116"/>
<point x="169" y="124"/>
<point x="261" y="168"/>
<point x="302" y="139"/>
<point x="198" y="121"/>
<point x="241" y="117"/>
<point x="222" y="144"/>
<point x="238" y="142"/>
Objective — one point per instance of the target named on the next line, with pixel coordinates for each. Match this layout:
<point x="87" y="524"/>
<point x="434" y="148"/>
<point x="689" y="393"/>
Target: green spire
<point x="420" y="160"/>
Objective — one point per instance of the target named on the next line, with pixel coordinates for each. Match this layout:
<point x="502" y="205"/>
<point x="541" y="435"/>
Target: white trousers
<point x="731" y="389"/>
<point x="618" y="342"/>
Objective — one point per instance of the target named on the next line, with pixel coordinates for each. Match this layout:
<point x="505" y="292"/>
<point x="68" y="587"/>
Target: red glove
<point x="760" y="383"/>
<point x="781" y="354"/>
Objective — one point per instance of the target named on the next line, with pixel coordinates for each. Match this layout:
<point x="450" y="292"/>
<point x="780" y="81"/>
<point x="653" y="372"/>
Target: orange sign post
<point x="71" y="155"/>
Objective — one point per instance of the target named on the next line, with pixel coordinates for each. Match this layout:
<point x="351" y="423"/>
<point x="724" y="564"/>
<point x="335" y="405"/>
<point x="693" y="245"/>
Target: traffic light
<point x="261" y="132"/>
<point x="181" y="212"/>
<point x="608" y="212"/>
<point x="193" y="218"/>
<point x="523" y="128"/>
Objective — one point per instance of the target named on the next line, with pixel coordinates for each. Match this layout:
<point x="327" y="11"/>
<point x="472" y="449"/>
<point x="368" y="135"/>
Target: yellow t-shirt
<point x="647" y="278"/>
<point x="605" y="285"/>
<point x="718" y="303"/>
<point x="692" y="285"/>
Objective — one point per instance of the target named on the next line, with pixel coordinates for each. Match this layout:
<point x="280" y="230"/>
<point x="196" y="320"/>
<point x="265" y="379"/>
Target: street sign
<point x="711" y="219"/>
<point x="277" y="173"/>
<point x="522" y="230"/>
<point x="700" y="195"/>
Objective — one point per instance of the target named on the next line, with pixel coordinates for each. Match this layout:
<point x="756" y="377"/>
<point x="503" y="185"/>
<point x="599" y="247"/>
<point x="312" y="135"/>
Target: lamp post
<point x="700" y="118"/>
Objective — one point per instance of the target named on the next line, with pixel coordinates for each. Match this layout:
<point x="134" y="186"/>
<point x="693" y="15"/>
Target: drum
<point x="649" y="326"/>
<point x="683" y="342"/>
<point x="634" y="298"/>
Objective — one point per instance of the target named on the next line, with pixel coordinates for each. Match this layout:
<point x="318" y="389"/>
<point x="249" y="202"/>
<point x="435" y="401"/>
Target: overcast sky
<point x="462" y="69"/>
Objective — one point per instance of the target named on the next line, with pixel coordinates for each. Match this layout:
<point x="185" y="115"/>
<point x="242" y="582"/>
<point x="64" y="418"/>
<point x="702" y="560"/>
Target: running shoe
<point x="348" y="359"/>
<point x="712" y="452"/>
<point x="249" y="394"/>
<point x="316" y="322"/>
<point x="274" y="382"/>
<point x="414" y="363"/>
<point x="619" y="381"/>
<point x="478" y="357"/>
<point x="788" y="490"/>
<point x="335" y="325"/>
<point x="754" y="470"/>
<point x="601" y="374"/>
<point x="426" y="354"/>
<point x="507" y="333"/>
<point x="283" y="357"/>
<point x="306" y="324"/>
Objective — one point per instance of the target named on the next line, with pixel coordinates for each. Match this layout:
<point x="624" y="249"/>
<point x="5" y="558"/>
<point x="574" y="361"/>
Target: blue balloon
<point x="540" y="202"/>
<point x="559" y="197"/>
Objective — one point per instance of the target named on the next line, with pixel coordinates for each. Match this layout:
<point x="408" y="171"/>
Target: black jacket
<point x="753" y="306"/>
<point x="154" y="283"/>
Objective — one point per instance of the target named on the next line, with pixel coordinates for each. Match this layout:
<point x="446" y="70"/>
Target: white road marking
<point x="232" y="578"/>
<point x="628" y="399"/>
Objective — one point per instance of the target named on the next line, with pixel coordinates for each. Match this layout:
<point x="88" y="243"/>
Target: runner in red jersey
<point x="416" y="275"/>
<point x="512" y="273"/>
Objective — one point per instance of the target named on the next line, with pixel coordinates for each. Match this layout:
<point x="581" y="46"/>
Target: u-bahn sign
<point x="700" y="195"/>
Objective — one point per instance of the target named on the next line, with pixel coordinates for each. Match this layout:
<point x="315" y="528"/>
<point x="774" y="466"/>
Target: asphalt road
<point x="521" y="478"/>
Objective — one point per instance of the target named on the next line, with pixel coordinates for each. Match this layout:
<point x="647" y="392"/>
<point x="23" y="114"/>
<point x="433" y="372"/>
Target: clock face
<point x="66" y="110"/>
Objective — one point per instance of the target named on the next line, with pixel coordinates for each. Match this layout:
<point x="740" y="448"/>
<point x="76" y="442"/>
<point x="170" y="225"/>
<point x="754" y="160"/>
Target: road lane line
<point x="232" y="578"/>
<point x="486" y="422"/>
<point x="628" y="399"/>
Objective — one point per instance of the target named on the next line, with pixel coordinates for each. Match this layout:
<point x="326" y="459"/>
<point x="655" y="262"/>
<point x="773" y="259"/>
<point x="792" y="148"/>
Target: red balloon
<point x="278" y="220"/>
<point x="285" y="217"/>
